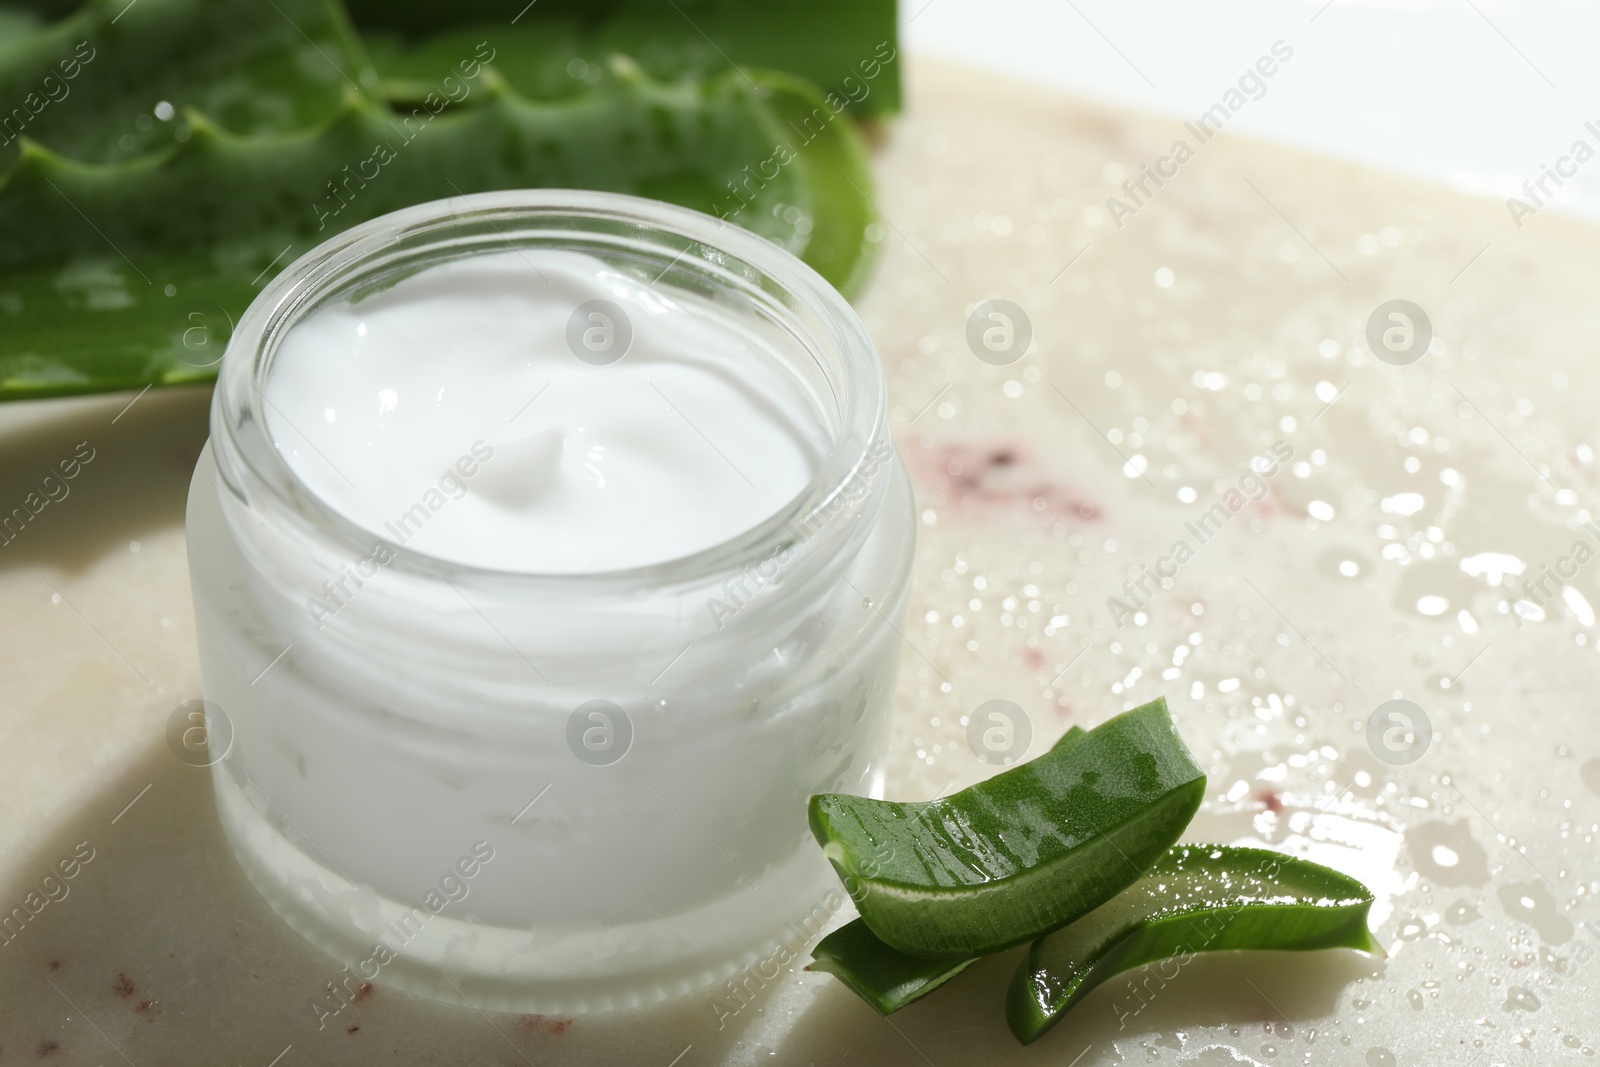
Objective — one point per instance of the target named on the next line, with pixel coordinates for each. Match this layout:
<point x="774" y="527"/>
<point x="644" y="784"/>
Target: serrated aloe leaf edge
<point x="108" y="323"/>
<point x="843" y="47"/>
<point x="86" y="85"/>
<point x="107" y="263"/>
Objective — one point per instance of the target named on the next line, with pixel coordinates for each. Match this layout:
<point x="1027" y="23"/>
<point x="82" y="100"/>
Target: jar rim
<point x="239" y="425"/>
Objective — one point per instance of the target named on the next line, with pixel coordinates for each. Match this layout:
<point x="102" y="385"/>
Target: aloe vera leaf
<point x="1073" y="735"/>
<point x="883" y="977"/>
<point x="816" y="138"/>
<point x="1197" y="898"/>
<point x="252" y="68"/>
<point x="830" y="153"/>
<point x="17" y="24"/>
<point x="846" y="47"/>
<point x="42" y="11"/>
<point x="631" y="136"/>
<point x="535" y="57"/>
<point x="209" y="215"/>
<point x="1021" y="854"/>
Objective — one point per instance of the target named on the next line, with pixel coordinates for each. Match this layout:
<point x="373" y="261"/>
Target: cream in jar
<point x="478" y="592"/>
<point x="660" y="439"/>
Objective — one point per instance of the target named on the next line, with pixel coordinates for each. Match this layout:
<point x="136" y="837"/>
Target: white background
<point x="1475" y="95"/>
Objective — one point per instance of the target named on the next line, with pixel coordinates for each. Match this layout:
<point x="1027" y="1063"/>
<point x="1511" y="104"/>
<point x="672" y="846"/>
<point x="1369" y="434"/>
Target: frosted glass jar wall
<point x="564" y="791"/>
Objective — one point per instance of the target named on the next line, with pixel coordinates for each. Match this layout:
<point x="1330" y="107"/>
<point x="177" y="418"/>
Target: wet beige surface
<point x="1225" y="316"/>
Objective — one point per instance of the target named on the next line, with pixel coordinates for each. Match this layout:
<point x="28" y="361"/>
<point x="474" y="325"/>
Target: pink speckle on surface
<point x="1269" y="799"/>
<point x="543" y="1024"/>
<point x="979" y="479"/>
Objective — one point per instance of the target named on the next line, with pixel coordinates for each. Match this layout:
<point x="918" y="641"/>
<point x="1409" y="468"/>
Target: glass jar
<point x="549" y="792"/>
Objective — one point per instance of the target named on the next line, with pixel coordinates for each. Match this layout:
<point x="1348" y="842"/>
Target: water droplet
<point x="1344" y="564"/>
<point x="1590" y="773"/>
<point x="1520" y="999"/>
<point x="1531" y="902"/>
<point x="1403" y="503"/>
<point x="1471" y="867"/>
<point x="1432" y="605"/>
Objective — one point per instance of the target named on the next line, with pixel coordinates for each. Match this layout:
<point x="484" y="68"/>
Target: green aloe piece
<point x="817" y="137"/>
<point x="842" y="238"/>
<point x="1021" y="854"/>
<point x="135" y="230"/>
<point x="882" y="976"/>
<point x="17" y="23"/>
<point x="1197" y="898"/>
<point x="43" y="10"/>
<point x="846" y="47"/>
<point x="677" y="143"/>
<point x="91" y="250"/>
<point x="88" y="86"/>
<point x="1073" y="735"/>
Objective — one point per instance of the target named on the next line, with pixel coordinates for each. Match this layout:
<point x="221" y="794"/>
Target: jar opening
<point x="680" y="255"/>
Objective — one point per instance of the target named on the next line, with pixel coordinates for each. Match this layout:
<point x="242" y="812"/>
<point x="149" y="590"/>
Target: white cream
<point x="685" y="441"/>
<point x="393" y="713"/>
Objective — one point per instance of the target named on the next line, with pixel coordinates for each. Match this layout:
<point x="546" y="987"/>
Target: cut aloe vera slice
<point x="883" y="977"/>
<point x="1073" y="734"/>
<point x="1197" y="898"/>
<point x="1021" y="854"/>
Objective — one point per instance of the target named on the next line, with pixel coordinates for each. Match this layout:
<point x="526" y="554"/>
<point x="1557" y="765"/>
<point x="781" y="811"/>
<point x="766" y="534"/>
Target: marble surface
<point x="1226" y="318"/>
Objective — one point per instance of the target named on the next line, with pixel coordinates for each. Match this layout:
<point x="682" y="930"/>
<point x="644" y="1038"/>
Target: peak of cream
<point x="682" y="443"/>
